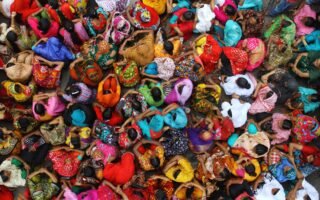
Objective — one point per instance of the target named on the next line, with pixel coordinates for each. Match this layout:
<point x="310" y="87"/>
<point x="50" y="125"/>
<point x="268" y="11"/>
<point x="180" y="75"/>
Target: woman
<point x="42" y="25"/>
<point x="282" y="83"/>
<point x="179" y="169"/>
<point x="278" y="54"/>
<point x="277" y="127"/>
<point x="265" y="100"/>
<point x="242" y="85"/>
<point x="204" y="17"/>
<point x="305" y="128"/>
<point x="167" y="47"/>
<point x="305" y="20"/>
<point x="307" y="99"/>
<point x="310" y="42"/>
<point x="232" y="33"/>
<point x="183" y="23"/>
<point x="252" y="22"/>
<point x="150" y="154"/>
<point x="307" y="65"/>
<point x="237" y="111"/>
<point x="256" y="50"/>
<point x="224" y="10"/>
<point x="208" y="50"/>
<point x="283" y="26"/>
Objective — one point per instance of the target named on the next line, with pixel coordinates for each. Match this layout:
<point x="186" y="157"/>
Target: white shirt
<point x="205" y="15"/>
<point x="230" y="86"/>
<point x="239" y="111"/>
<point x="309" y="190"/>
<point x="265" y="192"/>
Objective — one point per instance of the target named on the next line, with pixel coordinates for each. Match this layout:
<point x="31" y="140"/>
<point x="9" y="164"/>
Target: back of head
<point x="11" y="36"/>
<point x="250" y="169"/>
<point x="315" y="98"/>
<point x="132" y="133"/>
<point x="155" y="162"/>
<point x="243" y="83"/>
<point x="260" y="149"/>
<point x="230" y="10"/>
<point x="54" y="4"/>
<point x="168" y="46"/>
<point x="189" y="16"/>
<point x="44" y="25"/>
<point x="156" y="93"/>
<point x="287" y="124"/>
<point x="309" y="21"/>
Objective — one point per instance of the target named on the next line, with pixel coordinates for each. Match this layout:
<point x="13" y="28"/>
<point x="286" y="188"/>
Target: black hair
<point x="39" y="109"/>
<point x="230" y="113"/>
<point x="309" y="21"/>
<point x="168" y="46"/>
<point x="261" y="149"/>
<point x="132" y="133"/>
<point x="243" y="83"/>
<point x="69" y="26"/>
<point x="226" y="65"/>
<point x="251" y="170"/>
<point x="307" y="197"/>
<point x="74" y="91"/>
<point x="75" y="141"/>
<point x="315" y="98"/>
<point x="188" y="16"/>
<point x="17" y="88"/>
<point x="156" y="93"/>
<point x="44" y="25"/>
<point x="269" y="94"/>
<point x="225" y="174"/>
<point x="189" y="192"/>
<point x="91" y="12"/>
<point x="286" y="124"/>
<point x="230" y="10"/>
<point x="24" y="123"/>
<point x="107" y="114"/>
<point x="4" y="177"/>
<point x="88" y="171"/>
<point x="286" y="23"/>
<point x="136" y="104"/>
<point x="1" y="134"/>
<point x="10" y="65"/>
<point x="12" y="37"/>
<point x="161" y="195"/>
<point x="54" y="4"/>
<point x="176" y="173"/>
<point x="196" y="67"/>
<point x="155" y="162"/>
<point x="267" y="126"/>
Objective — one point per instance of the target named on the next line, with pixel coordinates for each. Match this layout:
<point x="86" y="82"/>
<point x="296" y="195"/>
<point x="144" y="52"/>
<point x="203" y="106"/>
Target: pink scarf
<point x="261" y="104"/>
<point x="220" y="14"/>
<point x="52" y="32"/>
<point x="53" y="107"/>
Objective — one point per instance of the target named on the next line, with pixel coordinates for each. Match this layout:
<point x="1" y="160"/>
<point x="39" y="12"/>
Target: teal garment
<point x="256" y="5"/>
<point x="151" y="124"/>
<point x="313" y="42"/>
<point x="181" y="4"/>
<point x="151" y="69"/>
<point x="232" y="33"/>
<point x="78" y="118"/>
<point x="232" y="139"/>
<point x="218" y="34"/>
<point x="308" y="106"/>
<point x="252" y="128"/>
<point x="176" y="118"/>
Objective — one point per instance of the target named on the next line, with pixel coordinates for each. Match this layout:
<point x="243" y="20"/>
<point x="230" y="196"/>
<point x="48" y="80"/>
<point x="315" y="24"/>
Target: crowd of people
<point x="164" y="99"/>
